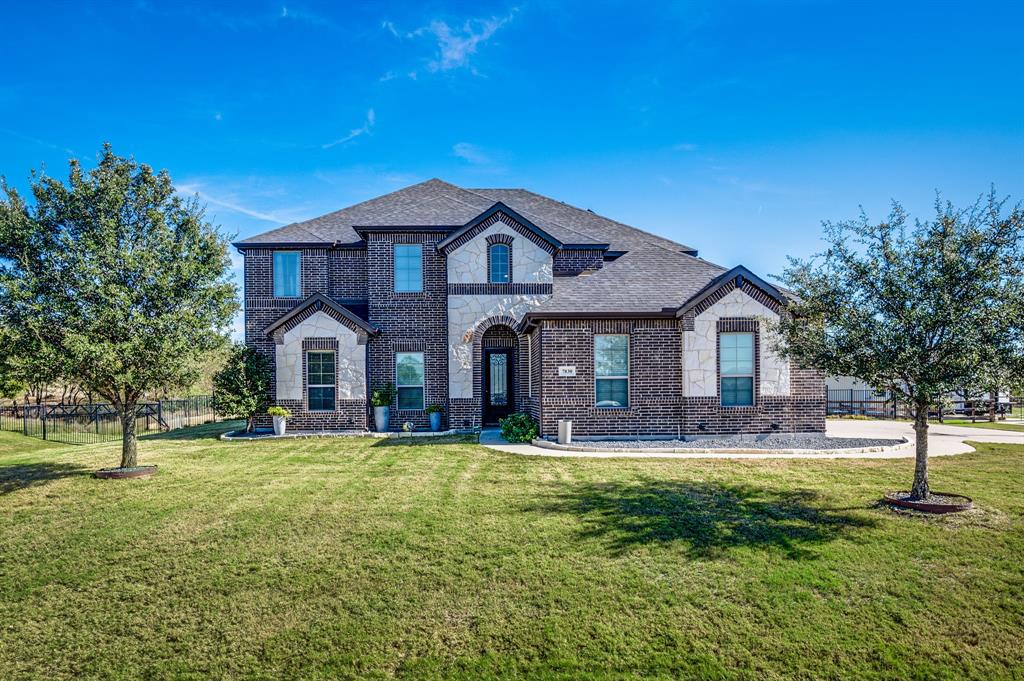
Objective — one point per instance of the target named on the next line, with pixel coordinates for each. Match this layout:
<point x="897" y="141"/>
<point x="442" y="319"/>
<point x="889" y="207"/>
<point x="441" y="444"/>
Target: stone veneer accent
<point x="700" y="348"/>
<point x="350" y="361"/>
<point x="467" y="264"/>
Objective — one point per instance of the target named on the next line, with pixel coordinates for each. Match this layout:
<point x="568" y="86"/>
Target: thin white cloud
<point x="229" y="202"/>
<point x="455" y="44"/>
<point x="364" y="129"/>
<point x="470" y="153"/>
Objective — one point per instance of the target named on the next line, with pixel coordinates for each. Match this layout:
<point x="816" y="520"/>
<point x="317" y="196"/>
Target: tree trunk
<point x="250" y="423"/>
<point x="129" y="442"/>
<point x="920" y="489"/>
<point x="993" y="397"/>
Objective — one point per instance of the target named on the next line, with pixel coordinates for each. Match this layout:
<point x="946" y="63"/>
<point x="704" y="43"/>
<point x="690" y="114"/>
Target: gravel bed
<point x="768" y="443"/>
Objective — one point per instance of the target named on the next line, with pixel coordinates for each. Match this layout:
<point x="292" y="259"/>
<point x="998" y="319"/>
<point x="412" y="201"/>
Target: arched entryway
<point x="499" y="347"/>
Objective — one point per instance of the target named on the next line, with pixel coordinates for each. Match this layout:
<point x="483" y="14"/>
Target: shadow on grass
<point x="709" y="518"/>
<point x="424" y="441"/>
<point x="207" y="431"/>
<point x="21" y="476"/>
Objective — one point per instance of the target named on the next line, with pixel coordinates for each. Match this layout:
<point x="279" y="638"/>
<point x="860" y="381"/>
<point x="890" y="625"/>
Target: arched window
<point x="498" y="259"/>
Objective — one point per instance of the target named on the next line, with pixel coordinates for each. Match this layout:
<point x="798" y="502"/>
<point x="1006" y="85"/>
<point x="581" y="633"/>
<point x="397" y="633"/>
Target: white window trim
<point x="619" y="378"/>
<point x="334" y="407"/>
<point x="753" y="367"/>
<point x="422" y="386"/>
<point x="394" y="268"/>
<point x="298" y="274"/>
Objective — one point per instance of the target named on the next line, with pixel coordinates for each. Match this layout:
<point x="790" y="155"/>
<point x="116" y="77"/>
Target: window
<point x="408" y="268"/>
<point x="409" y="379"/>
<point x="320" y="380"/>
<point x="611" y="370"/>
<point x="736" y="366"/>
<point x="286" y="274"/>
<point x="499" y="260"/>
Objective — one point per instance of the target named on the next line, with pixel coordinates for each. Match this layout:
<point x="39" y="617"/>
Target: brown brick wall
<point x="657" y="405"/>
<point x="409" y="322"/>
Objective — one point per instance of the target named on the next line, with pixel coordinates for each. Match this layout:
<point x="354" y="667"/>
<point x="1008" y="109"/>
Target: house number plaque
<point x="567" y="371"/>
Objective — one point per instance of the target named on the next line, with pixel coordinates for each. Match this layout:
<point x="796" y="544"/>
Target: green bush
<point x="435" y="409"/>
<point x="518" y="427"/>
<point x="383" y="395"/>
<point x="279" y="411"/>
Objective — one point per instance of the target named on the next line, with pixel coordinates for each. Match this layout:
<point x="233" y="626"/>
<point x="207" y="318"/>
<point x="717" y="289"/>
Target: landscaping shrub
<point x="518" y="427"/>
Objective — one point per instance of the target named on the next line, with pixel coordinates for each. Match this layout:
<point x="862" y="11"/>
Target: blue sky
<point x="732" y="127"/>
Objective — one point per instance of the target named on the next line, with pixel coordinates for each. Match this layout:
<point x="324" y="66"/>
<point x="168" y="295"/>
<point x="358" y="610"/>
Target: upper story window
<point x="499" y="263"/>
<point x="409" y="377"/>
<point x="286" y="274"/>
<point x="408" y="268"/>
<point x="736" y="368"/>
<point x="611" y="370"/>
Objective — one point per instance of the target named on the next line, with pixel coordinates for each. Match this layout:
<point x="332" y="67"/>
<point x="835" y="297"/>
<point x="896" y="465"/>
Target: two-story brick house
<point x="488" y="301"/>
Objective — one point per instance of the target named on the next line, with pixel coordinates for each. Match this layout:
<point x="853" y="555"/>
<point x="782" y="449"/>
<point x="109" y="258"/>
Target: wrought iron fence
<point x="883" y="405"/>
<point x="89" y="423"/>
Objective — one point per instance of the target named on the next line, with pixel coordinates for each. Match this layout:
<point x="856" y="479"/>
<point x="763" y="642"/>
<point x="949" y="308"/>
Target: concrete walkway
<point x="942" y="441"/>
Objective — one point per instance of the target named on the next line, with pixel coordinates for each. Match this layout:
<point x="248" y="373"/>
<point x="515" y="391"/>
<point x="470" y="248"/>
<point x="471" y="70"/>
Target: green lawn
<point x="396" y="558"/>
<point x="998" y="425"/>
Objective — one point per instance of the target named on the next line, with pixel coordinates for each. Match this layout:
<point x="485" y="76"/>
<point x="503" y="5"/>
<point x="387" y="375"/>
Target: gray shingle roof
<point x="436" y="203"/>
<point x="651" y="279"/>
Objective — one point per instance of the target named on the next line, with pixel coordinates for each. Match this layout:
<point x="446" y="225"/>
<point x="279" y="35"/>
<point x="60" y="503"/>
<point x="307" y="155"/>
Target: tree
<point x="125" y="280"/>
<point x="242" y="386"/>
<point x="918" y="310"/>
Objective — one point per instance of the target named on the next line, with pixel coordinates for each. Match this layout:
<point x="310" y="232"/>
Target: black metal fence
<point x="883" y="405"/>
<point x="89" y="423"/>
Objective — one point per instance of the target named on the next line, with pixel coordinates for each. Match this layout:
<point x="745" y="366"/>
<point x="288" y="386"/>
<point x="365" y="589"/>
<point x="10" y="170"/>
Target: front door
<point x="498" y="401"/>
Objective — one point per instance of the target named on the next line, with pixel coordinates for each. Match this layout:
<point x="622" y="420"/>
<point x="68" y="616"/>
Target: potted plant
<point x="435" y="411"/>
<point x="381" y="399"/>
<point x="281" y="415"/>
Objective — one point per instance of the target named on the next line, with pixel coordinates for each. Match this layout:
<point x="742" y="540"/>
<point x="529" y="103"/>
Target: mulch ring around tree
<point x="937" y="502"/>
<point x="125" y="473"/>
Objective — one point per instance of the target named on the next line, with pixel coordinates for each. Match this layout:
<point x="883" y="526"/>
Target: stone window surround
<point x="738" y="325"/>
<point x="273" y="289"/>
<point x="504" y="240"/>
<point x="318" y="345"/>
<point x="629" y="362"/>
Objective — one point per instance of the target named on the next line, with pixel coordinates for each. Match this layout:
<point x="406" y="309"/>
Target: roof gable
<point x="499" y="212"/>
<point x="738" y="277"/>
<point x="318" y="302"/>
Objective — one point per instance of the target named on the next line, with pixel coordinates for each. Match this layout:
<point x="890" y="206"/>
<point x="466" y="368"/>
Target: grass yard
<point x="998" y="425"/>
<point x="395" y="558"/>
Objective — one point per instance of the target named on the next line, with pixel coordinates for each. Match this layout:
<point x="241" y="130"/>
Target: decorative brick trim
<point x="729" y="286"/>
<point x="320" y="344"/>
<point x="409" y="346"/>
<point x="499" y="216"/>
<point x="279" y="332"/>
<point x="499" y="289"/>
<point x="500" y="239"/>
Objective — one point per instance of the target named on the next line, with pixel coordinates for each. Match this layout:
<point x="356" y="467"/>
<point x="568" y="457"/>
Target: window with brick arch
<point x="500" y="262"/>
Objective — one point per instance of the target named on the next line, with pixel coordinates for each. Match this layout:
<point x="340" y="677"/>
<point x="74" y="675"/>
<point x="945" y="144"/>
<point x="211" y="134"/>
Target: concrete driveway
<point x="942" y="441"/>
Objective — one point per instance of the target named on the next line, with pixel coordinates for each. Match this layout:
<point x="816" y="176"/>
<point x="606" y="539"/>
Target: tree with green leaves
<point x="242" y="386"/>
<point x="124" y="279"/>
<point x="919" y="310"/>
